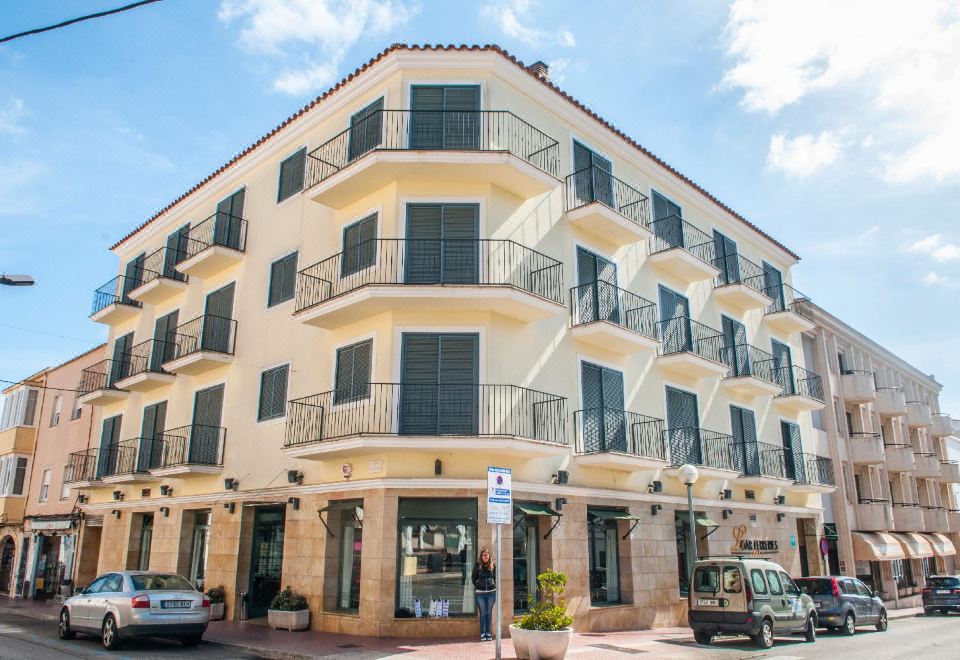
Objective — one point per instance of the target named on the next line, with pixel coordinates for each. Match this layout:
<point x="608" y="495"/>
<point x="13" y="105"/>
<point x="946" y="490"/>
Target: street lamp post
<point x="689" y="476"/>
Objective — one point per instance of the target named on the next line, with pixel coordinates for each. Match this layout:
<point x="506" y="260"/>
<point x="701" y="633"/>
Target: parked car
<point x="942" y="593"/>
<point x="753" y="597"/>
<point x="843" y="603"/>
<point x="125" y="604"/>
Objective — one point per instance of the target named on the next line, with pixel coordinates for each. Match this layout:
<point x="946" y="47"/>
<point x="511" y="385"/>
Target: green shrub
<point x="550" y="611"/>
<point x="217" y="595"/>
<point x="289" y="600"/>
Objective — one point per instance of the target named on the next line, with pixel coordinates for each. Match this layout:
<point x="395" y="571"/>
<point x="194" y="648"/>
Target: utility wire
<point x="77" y="20"/>
<point x="36" y="387"/>
<point x="50" y="334"/>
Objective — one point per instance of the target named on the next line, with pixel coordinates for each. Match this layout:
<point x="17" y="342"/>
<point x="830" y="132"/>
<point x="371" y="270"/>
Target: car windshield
<point x="943" y="582"/>
<point x="815" y="587"/>
<point x="160" y="582"/>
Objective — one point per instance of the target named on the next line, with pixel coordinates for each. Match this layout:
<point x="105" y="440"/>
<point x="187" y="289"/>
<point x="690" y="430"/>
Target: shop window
<point x="351" y="546"/>
<point x="603" y="550"/>
<point x="899" y="576"/>
<point x="199" y="548"/>
<point x="525" y="561"/>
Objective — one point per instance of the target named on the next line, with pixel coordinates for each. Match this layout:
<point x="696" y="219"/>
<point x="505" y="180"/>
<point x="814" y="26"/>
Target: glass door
<point x="146" y="540"/>
<point x="266" y="561"/>
<point x="351" y="546"/>
<point x="198" y="548"/>
<point x="525" y="564"/>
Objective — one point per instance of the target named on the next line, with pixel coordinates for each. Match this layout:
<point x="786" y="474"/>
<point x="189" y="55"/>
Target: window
<point x="283" y="278"/>
<point x="862" y="589"/>
<point x="353" y="372"/>
<point x="759" y="584"/>
<point x="898" y="577"/>
<point x="64" y="486"/>
<point x="788" y="585"/>
<point x="77" y="410"/>
<point x="13" y="472"/>
<point x="776" y="588"/>
<point x="273" y="393"/>
<point x="437" y="549"/>
<point x="351" y="545"/>
<point x="445" y="117"/>
<point x="359" y="246"/>
<point x="706" y="579"/>
<point x="603" y="549"/>
<point x="731" y="580"/>
<point x="291" y="175"/>
<point x="199" y="548"/>
<point x="366" y="129"/>
<point x="19" y="408"/>
<point x="57" y="409"/>
<point x="928" y="567"/>
<point x="526" y="565"/>
<point x="44" y="486"/>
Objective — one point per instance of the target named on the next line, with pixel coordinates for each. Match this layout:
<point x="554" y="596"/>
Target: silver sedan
<point x="128" y="604"/>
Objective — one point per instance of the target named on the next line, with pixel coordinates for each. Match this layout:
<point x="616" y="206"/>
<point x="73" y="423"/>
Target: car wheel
<point x="192" y="640"/>
<point x="810" y="632"/>
<point x="63" y="628"/>
<point x="110" y="635"/>
<point x="849" y="625"/>
<point x="944" y="611"/>
<point x="764" y="638"/>
<point x="702" y="637"/>
<point x="882" y="621"/>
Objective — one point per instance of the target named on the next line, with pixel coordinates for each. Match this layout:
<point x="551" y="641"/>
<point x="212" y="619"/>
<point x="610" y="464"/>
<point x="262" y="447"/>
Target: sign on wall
<point x="499" y="496"/>
<point x="744" y="546"/>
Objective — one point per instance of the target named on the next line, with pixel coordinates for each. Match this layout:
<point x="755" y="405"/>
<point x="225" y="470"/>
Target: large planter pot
<point x="540" y="644"/>
<point x="216" y="611"/>
<point x="284" y="620"/>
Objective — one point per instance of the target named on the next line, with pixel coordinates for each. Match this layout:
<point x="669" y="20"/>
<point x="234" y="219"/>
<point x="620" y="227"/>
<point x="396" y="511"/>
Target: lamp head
<point x="689" y="474"/>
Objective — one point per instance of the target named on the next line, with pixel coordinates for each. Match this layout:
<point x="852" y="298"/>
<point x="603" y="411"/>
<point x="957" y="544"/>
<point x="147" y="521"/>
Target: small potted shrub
<point x="544" y="632"/>
<point x="218" y="597"/>
<point x="289" y="611"/>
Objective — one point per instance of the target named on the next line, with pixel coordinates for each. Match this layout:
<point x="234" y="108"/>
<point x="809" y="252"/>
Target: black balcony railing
<point x="451" y="409"/>
<point x="195" y="444"/>
<point x="204" y="333"/>
<point x="619" y="431"/>
<point x="147" y="356"/>
<point x="787" y="299"/>
<point x="682" y="334"/>
<point x="702" y="447"/>
<point x="761" y="459"/>
<point x="434" y="130"/>
<point x="737" y="269"/>
<point x="120" y="459"/>
<point x="595" y="184"/>
<point x="747" y="360"/>
<point x="810" y="469"/>
<point x="116" y="291"/>
<point x="103" y="376"/>
<point x="161" y="263"/>
<point x="602" y="301"/>
<point x="81" y="466"/>
<point x="222" y="229"/>
<point x="864" y="435"/>
<point x="417" y="262"/>
<point x="675" y="232"/>
<point x="796" y="380"/>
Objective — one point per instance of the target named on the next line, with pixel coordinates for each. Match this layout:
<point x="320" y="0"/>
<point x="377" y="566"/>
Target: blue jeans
<point x="485" y="601"/>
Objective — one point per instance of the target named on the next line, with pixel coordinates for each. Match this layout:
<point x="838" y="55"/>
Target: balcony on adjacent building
<point x="602" y="205"/>
<point x="125" y="462"/>
<point x="866" y="448"/>
<point x="690" y="350"/>
<point x="81" y="468"/>
<point x="907" y="517"/>
<point x="858" y="386"/>
<point x="445" y="275"/>
<point x="874" y="515"/>
<point x="378" y="417"/>
<point x="195" y="449"/>
<point x="112" y="303"/>
<point x="953" y="521"/>
<point x="213" y="245"/>
<point x="741" y="283"/>
<point x="935" y="520"/>
<point x="942" y="426"/>
<point x="899" y="457"/>
<point x="158" y="278"/>
<point x="891" y="401"/>
<point x="918" y="414"/>
<point x="927" y="465"/>
<point x="205" y="343"/>
<point x="715" y="454"/>
<point x="682" y="251"/>
<point x="810" y="473"/>
<point x="802" y="389"/>
<point x="762" y="464"/>
<point x="19" y="439"/>
<point x="493" y="146"/>
<point x="619" y="440"/>
<point x="950" y="472"/>
<point x="606" y="316"/>
<point x="750" y="371"/>
<point x="98" y="384"/>
<point x="790" y="310"/>
<point x="144" y="372"/>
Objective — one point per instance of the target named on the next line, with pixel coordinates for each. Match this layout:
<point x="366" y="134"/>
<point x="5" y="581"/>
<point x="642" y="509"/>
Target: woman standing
<point x="485" y="588"/>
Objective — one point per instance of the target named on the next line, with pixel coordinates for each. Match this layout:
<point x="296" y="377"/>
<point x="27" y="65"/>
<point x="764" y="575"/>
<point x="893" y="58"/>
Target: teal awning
<point x="701" y="519"/>
<point x="535" y="509"/>
<point x="606" y="514"/>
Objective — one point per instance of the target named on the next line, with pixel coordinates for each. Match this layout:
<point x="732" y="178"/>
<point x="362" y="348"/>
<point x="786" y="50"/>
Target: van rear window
<point x="706" y="579"/>
<point x="943" y="582"/>
<point x="731" y="580"/>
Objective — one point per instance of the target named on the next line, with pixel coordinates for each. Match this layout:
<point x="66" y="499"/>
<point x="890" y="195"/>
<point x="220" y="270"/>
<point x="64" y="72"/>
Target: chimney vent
<point x="540" y="70"/>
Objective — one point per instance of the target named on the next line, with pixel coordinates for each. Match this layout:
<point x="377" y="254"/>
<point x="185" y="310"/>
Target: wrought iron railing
<point x="204" y="333"/>
<point x="116" y="291"/>
<point x="737" y="269"/>
<point x="811" y="469"/>
<point x="120" y="458"/>
<point x="864" y="435"/>
<point x="194" y="444"/>
<point x="761" y="459"/>
<point x="602" y="301"/>
<point x="418" y="262"/>
<point x="102" y="376"/>
<point x="747" y="360"/>
<point x="787" y="299"/>
<point x="675" y="232"/>
<point x="434" y="130"/>
<point x="81" y="466"/>
<point x="595" y="184"/>
<point x="682" y="334"/>
<point x="147" y="356"/>
<point x="621" y="431"/>
<point x="161" y="263"/>
<point x="797" y="380"/>
<point x="221" y="229"/>
<point x="702" y="447"/>
<point x="450" y="409"/>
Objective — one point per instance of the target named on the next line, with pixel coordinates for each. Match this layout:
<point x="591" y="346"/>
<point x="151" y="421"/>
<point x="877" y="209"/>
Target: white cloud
<point x="805" y="154"/>
<point x="893" y="62"/>
<point x="942" y="281"/>
<point x="516" y="20"/>
<point x="315" y="33"/>
<point x="10" y="116"/>
<point x="937" y="248"/>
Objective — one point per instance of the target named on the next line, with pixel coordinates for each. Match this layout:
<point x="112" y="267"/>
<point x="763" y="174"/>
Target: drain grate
<point x="618" y="649"/>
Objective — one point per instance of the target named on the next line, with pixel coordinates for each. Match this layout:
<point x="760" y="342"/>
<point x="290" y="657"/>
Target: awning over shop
<point x="914" y="545"/>
<point x="876" y="546"/>
<point x="940" y="544"/>
<point x="535" y="509"/>
<point x="605" y="514"/>
<point x="701" y="519"/>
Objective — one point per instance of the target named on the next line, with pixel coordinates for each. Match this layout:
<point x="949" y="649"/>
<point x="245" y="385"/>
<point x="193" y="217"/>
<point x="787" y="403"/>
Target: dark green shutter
<point x="217" y="324"/>
<point x="426" y="117"/>
<point x="109" y="439"/>
<point x="422" y="262"/>
<point x="228" y="228"/>
<point x="205" y="434"/>
<point x="604" y="423"/>
<point x="442" y="244"/>
<point x="151" y="436"/>
<point x="744" y="430"/>
<point x="675" y="322"/>
<point x="133" y="277"/>
<point x="668" y="223"/>
<point x="598" y="299"/>
<point x="438" y="388"/>
<point x="445" y="117"/>
<point x="353" y="372"/>
<point x="773" y="286"/>
<point x="735" y="352"/>
<point x="165" y="339"/>
<point x="783" y="366"/>
<point x="175" y="253"/>
<point x="459" y="246"/>
<point x="683" y="424"/>
<point x="725" y="250"/>
<point x="120" y="367"/>
<point x="19" y="476"/>
<point x="593" y="178"/>
<point x="366" y="130"/>
<point x="273" y="393"/>
<point x="283" y="274"/>
<point x="793" y="447"/>
<point x="291" y="175"/>
<point x="457" y="396"/>
<point x="359" y="246"/>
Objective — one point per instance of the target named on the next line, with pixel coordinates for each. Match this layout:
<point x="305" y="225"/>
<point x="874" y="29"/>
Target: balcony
<point x="512" y="420"/>
<point x="953" y="521"/>
<point x="866" y="448"/>
<point x="874" y="515"/>
<point x="858" y="386"/>
<point x="810" y="473"/>
<point x="899" y="458"/>
<point x="213" y="245"/>
<point x="619" y="440"/>
<point x="918" y="414"/>
<point x="445" y="276"/>
<point x="605" y="207"/>
<point x="790" y="311"/>
<point x="949" y="472"/>
<point x="763" y="465"/>
<point x="98" y="384"/>
<point x="205" y="343"/>
<point x="18" y="439"/>
<point x="124" y="462"/>
<point x="681" y="251"/>
<point x="715" y="454"/>
<point x="112" y="303"/>
<point x="891" y="402"/>
<point x="750" y="372"/>
<point x="690" y="350"/>
<point x="492" y="146"/>
<point x="927" y="465"/>
<point x="802" y="390"/>
<point x="144" y="372"/>
<point x="159" y="280"/>
<point x="81" y="469"/>
<point x="907" y="517"/>
<point x="942" y="426"/>
<point x="196" y="449"/>
<point x="935" y="519"/>
<point x="741" y="284"/>
<point x="605" y="316"/>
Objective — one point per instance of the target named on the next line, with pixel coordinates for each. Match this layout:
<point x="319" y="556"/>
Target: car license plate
<point x="943" y="591"/>
<point x="708" y="602"/>
<point x="176" y="604"/>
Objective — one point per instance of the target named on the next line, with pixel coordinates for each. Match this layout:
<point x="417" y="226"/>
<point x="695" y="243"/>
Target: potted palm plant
<point x="289" y="611"/>
<point x="544" y="632"/>
<point x="218" y="597"/>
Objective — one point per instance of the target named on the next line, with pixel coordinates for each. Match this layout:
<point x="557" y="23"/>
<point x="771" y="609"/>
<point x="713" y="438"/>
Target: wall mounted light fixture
<point x="294" y="502"/>
<point x="165" y="511"/>
<point x="655" y="487"/>
<point x="654" y="508"/>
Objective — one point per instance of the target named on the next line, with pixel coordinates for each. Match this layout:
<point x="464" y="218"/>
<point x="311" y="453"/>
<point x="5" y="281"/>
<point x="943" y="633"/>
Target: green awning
<point x="535" y="509"/>
<point x="606" y="514"/>
<point x="342" y="505"/>
<point x="702" y="520"/>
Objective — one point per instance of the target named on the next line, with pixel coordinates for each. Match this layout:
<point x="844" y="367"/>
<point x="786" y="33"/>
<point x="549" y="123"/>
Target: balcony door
<point x="445" y="117"/>
<point x="366" y="130"/>
<point x="597" y="298"/>
<point x="120" y="367"/>
<point x="675" y="322"/>
<point x="441" y="244"/>
<point x="176" y="252"/>
<point x="592" y="178"/>
<point x="151" y="436"/>
<point x="109" y="446"/>
<point x="217" y="322"/>
<point x="604" y="422"/>
<point x="773" y="286"/>
<point x="726" y="258"/>
<point x="438" y="389"/>
<point x="783" y="366"/>
<point x="133" y="277"/>
<point x="683" y="427"/>
<point x="205" y="434"/>
<point x="743" y="425"/>
<point x="735" y="352"/>
<point x="793" y="450"/>
<point x="228" y="230"/>
<point x="164" y="340"/>
<point x="668" y="222"/>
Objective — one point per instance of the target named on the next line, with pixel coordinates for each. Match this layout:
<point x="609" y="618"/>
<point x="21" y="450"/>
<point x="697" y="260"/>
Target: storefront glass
<point x="146" y="539"/>
<point x="351" y="545"/>
<point x="604" y="558"/>
<point x="525" y="565"/>
<point x="199" y="548"/>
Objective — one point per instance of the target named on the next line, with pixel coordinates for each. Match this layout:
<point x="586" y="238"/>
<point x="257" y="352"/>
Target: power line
<point x="77" y="20"/>
<point x="49" y="334"/>
<point x="36" y="387"/>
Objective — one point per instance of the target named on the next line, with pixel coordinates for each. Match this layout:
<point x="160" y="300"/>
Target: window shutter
<point x="20" y="476"/>
<point x="283" y="277"/>
<point x="457" y="394"/>
<point x="667" y="225"/>
<point x="461" y="119"/>
<point x="459" y="246"/>
<point x="426" y="120"/>
<point x="353" y="372"/>
<point x="30" y="411"/>
<point x="366" y="129"/>
<point x="423" y="244"/>
<point x="359" y="246"/>
<point x="273" y="393"/>
<point x="227" y="228"/>
<point x="291" y="175"/>
<point x="773" y="286"/>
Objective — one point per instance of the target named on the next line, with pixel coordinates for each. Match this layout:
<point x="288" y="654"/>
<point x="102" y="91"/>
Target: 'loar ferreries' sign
<point x="756" y="547"/>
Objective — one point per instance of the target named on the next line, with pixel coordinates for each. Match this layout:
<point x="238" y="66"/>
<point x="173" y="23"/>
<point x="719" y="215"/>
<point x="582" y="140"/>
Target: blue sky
<point x="833" y="128"/>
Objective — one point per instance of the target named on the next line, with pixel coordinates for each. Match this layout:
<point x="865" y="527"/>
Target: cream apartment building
<point x="895" y="512"/>
<point x="442" y="264"/>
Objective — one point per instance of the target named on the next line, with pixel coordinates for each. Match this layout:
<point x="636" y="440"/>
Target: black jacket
<point x="484" y="579"/>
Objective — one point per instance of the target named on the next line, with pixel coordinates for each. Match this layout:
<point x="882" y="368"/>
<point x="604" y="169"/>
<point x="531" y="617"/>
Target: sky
<point x="832" y="126"/>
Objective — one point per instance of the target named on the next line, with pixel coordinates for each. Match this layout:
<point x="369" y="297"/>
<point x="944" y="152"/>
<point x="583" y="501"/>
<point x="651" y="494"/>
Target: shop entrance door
<point x="266" y="559"/>
<point x="7" y="553"/>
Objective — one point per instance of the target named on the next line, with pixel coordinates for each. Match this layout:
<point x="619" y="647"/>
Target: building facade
<point x="445" y="263"/>
<point x="894" y="518"/>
